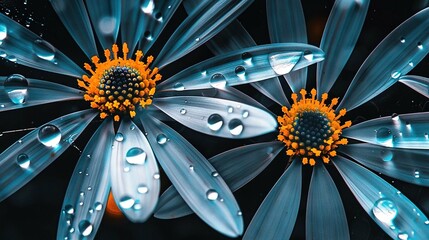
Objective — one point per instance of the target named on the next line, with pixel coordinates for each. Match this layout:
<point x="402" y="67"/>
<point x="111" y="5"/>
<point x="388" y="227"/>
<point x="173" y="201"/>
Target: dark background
<point x="33" y="211"/>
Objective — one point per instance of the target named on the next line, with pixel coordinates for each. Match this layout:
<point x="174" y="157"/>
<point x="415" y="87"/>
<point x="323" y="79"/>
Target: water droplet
<point x="191" y="167"/>
<point x="148" y="36"/>
<point x="385" y="210"/>
<point x="85" y="228"/>
<point x="142" y="189"/>
<point x="218" y="81"/>
<point x="420" y="45"/>
<point x="395" y="117"/>
<point x="23" y="161"/>
<point x="384" y="136"/>
<point x="417" y="174"/>
<point x="411" y="64"/>
<point x="427" y="222"/>
<point x="44" y="50"/>
<point x="3" y="32"/>
<point x="126" y="169"/>
<point x="308" y="55"/>
<point x="11" y="58"/>
<point x="197" y="39"/>
<point x="230" y="109"/>
<point x="283" y="63"/>
<point x="68" y="209"/>
<point x="246" y="57"/>
<point x="403" y="236"/>
<point x="91" y="210"/>
<point x="135" y="156"/>
<point x="119" y="137"/>
<point x="386" y="155"/>
<point x="215" y="122"/>
<point x="16" y="88"/>
<point x="98" y="206"/>
<point x="245" y="114"/>
<point x="240" y="71"/>
<point x="402" y="40"/>
<point x="179" y="86"/>
<point x="126" y="202"/>
<point x="2" y="54"/>
<point x="156" y="176"/>
<point x="137" y="206"/>
<point x="71" y="230"/>
<point x="49" y="135"/>
<point x="235" y="127"/>
<point x="158" y="16"/>
<point x="215" y="174"/>
<point x="212" y="195"/>
<point x="239" y="213"/>
<point x="148" y="7"/>
<point x="395" y="74"/>
<point x="107" y="25"/>
<point x="183" y="111"/>
<point x="161" y="139"/>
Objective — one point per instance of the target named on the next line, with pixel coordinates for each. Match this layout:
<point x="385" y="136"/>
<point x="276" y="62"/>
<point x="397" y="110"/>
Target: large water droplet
<point x="395" y="117"/>
<point x="283" y="63"/>
<point x="218" y="81"/>
<point x="107" y="25"/>
<point x="11" y="58"/>
<point x="148" y="7"/>
<point x="85" y="228"/>
<point x="44" y="50"/>
<point x="142" y="188"/>
<point x="385" y="210"/>
<point x="384" y="136"/>
<point x="246" y="57"/>
<point x="235" y="127"/>
<point x="126" y="202"/>
<point x="240" y="71"/>
<point x="135" y="156"/>
<point x="49" y="135"/>
<point x="16" y="88"/>
<point x="23" y="160"/>
<point x="68" y="209"/>
<point x="98" y="206"/>
<point x="212" y="195"/>
<point x="386" y="155"/>
<point x="215" y="122"/>
<point x="119" y="137"/>
<point x="403" y="236"/>
<point x="179" y="86"/>
<point x="2" y="54"/>
<point x="161" y="139"/>
<point x="3" y="32"/>
<point x="308" y="55"/>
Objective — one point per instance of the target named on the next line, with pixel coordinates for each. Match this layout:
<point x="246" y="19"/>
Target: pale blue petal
<point x="396" y="55"/>
<point x="105" y="18"/>
<point x="399" y="131"/>
<point x="417" y="83"/>
<point x="387" y="206"/>
<point x="237" y="167"/>
<point x="87" y="193"/>
<point x="244" y="66"/>
<point x="157" y="14"/>
<point x="276" y="216"/>
<point x="132" y="21"/>
<point x="218" y="117"/>
<point x="18" y="44"/>
<point x="339" y="39"/>
<point x="409" y="165"/>
<point x="198" y="28"/>
<point x="325" y="217"/>
<point x="191" y="174"/>
<point x="20" y="92"/>
<point x="132" y="169"/>
<point x="27" y="157"/>
<point x="75" y="18"/>
<point x="286" y="23"/>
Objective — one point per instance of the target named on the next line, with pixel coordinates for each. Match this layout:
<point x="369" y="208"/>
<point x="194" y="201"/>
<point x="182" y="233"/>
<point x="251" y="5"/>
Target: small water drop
<point x="44" y="50"/>
<point x="126" y="169"/>
<point x="135" y="156"/>
<point x="156" y="176"/>
<point x="218" y="81"/>
<point x="240" y="71"/>
<point x="126" y="202"/>
<point x="230" y="109"/>
<point x="91" y="210"/>
<point x="197" y="39"/>
<point x="395" y="74"/>
<point x="98" y="206"/>
<point x="395" y="117"/>
<point x="158" y="16"/>
<point x="85" y="228"/>
<point x="427" y="222"/>
<point x="215" y="174"/>
<point x="119" y="137"/>
<point x="2" y="54"/>
<point x="420" y="45"/>
<point x="137" y="206"/>
<point x="68" y="209"/>
<point x="235" y="127"/>
<point x="16" y="88"/>
<point x="247" y="58"/>
<point x="71" y="230"/>
<point x="49" y="135"/>
<point x="385" y="210"/>
<point x="183" y="111"/>
<point x="411" y="64"/>
<point x="308" y="55"/>
<point x="142" y="188"/>
<point x="212" y="195"/>
<point x="402" y="40"/>
<point x="215" y="122"/>
<point x="239" y="213"/>
<point x="23" y="161"/>
<point x="148" y="7"/>
<point x="89" y="188"/>
<point x="403" y="236"/>
<point x="3" y="32"/>
<point x="11" y="58"/>
<point x="148" y="35"/>
<point x="417" y="174"/>
<point x="386" y="155"/>
<point x="161" y="139"/>
<point x="179" y="86"/>
<point x="384" y="136"/>
<point x="245" y="114"/>
<point x="283" y="63"/>
<point x="191" y="167"/>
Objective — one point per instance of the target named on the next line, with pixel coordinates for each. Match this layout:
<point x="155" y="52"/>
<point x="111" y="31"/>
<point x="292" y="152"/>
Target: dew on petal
<point x="23" y="161"/>
<point x="215" y="122"/>
<point x="218" y="81"/>
<point x="283" y="63"/>
<point x="161" y="139"/>
<point x="107" y="25"/>
<point x="148" y="7"/>
<point x="395" y="117"/>
<point x="417" y="174"/>
<point x="215" y="174"/>
<point x="384" y="136"/>
<point x="235" y="127"/>
<point x="119" y="137"/>
<point x="126" y="202"/>
<point x="183" y="111"/>
<point x="156" y="176"/>
<point x="403" y="236"/>
<point x="230" y="109"/>
<point x="68" y="209"/>
<point x="135" y="156"/>
<point x="247" y="58"/>
<point x="212" y="195"/>
<point x="240" y="71"/>
<point x="98" y="206"/>
<point x="179" y="86"/>
<point x="44" y="50"/>
<point x="3" y="32"/>
<point x="420" y="45"/>
<point x="402" y="40"/>
<point x="11" y="58"/>
<point x="142" y="189"/>
<point x="85" y="228"/>
<point x="49" y="135"/>
<point x="245" y="114"/>
<point x="16" y="88"/>
<point x="395" y="74"/>
<point x="385" y="210"/>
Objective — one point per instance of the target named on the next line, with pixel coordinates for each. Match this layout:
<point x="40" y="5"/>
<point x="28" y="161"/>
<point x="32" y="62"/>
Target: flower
<point x="123" y="88"/>
<point x="314" y="136"/>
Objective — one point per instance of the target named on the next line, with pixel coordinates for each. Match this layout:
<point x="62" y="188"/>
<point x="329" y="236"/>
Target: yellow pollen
<point x="115" y="86"/>
<point x="311" y="129"/>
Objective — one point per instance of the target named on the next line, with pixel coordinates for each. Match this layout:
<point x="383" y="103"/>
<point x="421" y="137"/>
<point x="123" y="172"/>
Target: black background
<point x="33" y="211"/>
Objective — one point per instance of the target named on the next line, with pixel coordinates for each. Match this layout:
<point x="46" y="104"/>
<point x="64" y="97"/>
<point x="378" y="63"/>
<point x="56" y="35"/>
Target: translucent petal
<point x="75" y="18"/>
<point x="191" y="174"/>
<point x="286" y="23"/>
<point x="27" y="157"/>
<point x="26" y="48"/>
<point x="105" y="18"/>
<point x="339" y="38"/>
<point x="157" y="14"/>
<point x="218" y="117"/>
<point x="399" y="131"/>
<point x="87" y="193"/>
<point x="325" y="216"/>
<point x="409" y="165"/>
<point x="237" y="167"/>
<point x="417" y="83"/>
<point x="244" y="66"/>
<point x="276" y="216"/>
<point x="37" y="92"/>
<point x="396" y="55"/>
<point x="198" y="28"/>
<point x="387" y="206"/>
<point x="132" y="169"/>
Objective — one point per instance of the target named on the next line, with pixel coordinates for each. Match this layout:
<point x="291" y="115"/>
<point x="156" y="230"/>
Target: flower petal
<point x="191" y="174"/>
<point x="218" y="117"/>
<point x="199" y="27"/>
<point x="387" y="206"/>
<point x="87" y="193"/>
<point x="339" y="39"/>
<point x="276" y="216"/>
<point x="244" y="66"/>
<point x="22" y="46"/>
<point x="325" y="217"/>
<point x="75" y="18"/>
<point x="26" y="158"/>
<point x="105" y="18"/>
<point x="396" y="55"/>
<point x="398" y="131"/>
<point x="409" y="165"/>
<point x="237" y="167"/>
<point x="417" y="83"/>
<point x="36" y="92"/>
<point x="286" y="23"/>
<point x="133" y="167"/>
